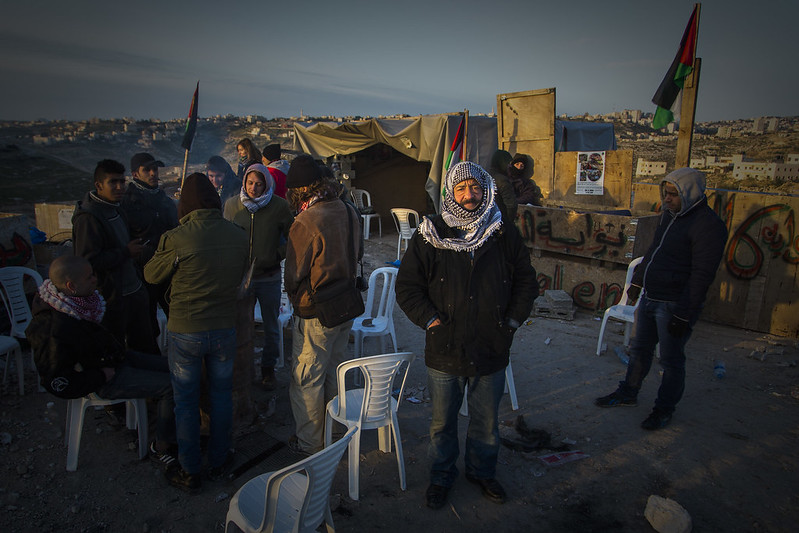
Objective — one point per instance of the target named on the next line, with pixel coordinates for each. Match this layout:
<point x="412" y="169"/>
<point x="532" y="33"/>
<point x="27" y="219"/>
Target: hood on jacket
<point x="282" y="165"/>
<point x="197" y="193"/>
<point x="500" y="160"/>
<point x="690" y="183"/>
<point x="263" y="171"/>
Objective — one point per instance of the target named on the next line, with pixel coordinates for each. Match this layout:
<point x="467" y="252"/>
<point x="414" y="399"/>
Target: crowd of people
<point x="466" y="279"/>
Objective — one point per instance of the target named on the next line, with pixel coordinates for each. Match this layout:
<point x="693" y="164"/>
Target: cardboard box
<point x="55" y="220"/>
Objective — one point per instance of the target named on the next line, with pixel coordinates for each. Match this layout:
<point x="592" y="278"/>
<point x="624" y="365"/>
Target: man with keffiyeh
<point x="467" y="280"/>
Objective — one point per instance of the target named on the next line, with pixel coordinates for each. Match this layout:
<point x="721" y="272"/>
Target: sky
<point x="81" y="59"/>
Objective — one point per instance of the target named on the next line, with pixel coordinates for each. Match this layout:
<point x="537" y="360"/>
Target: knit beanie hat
<point x="271" y="152"/>
<point x="303" y="171"/>
<point x="197" y="193"/>
<point x="500" y="160"/>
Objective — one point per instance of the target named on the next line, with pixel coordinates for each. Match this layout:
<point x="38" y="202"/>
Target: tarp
<point x="425" y="138"/>
<point x="573" y="136"/>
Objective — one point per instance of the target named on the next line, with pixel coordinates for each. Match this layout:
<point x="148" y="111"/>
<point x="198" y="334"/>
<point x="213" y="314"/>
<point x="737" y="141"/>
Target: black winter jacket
<point x="472" y="296"/>
<point x="69" y="353"/>
<point x="686" y="251"/>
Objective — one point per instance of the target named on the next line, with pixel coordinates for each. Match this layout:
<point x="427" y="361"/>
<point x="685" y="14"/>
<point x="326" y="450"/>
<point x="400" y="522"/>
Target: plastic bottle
<point x="719" y="369"/>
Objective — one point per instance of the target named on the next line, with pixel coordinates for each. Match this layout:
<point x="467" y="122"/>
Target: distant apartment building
<point x="697" y="162"/>
<point x="772" y="124"/>
<point x="766" y="171"/>
<point x="42" y="140"/>
<point x="792" y="159"/>
<point x="724" y="132"/>
<point x="759" y="125"/>
<point x="650" y="168"/>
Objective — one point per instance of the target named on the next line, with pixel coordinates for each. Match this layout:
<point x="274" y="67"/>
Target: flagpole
<point x="688" y="107"/>
<point x="185" y="165"/>
<point x="465" y="131"/>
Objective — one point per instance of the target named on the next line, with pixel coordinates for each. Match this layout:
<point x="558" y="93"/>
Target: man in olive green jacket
<point x="205" y="258"/>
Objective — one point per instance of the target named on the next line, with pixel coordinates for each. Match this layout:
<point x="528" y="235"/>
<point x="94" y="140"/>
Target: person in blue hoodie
<point x="674" y="276"/>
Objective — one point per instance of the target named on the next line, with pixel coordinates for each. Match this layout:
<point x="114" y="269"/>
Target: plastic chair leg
<point x="601" y="334"/>
<point x="75" y="412"/>
<point x="353" y="466"/>
<point x="384" y="439"/>
<point x="510" y="386"/>
<point x="398" y="445"/>
<point x="365" y="228"/>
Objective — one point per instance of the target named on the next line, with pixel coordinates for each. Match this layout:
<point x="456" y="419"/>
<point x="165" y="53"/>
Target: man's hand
<point x="136" y="247"/>
<point x="678" y="326"/>
<point x="633" y="293"/>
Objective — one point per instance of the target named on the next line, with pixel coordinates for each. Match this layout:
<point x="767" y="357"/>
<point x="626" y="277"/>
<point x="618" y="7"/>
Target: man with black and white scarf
<point x="467" y="280"/>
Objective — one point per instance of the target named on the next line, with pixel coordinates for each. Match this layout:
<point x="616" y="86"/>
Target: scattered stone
<point x="22" y="469"/>
<point x="547" y="341"/>
<point x="222" y="496"/>
<point x="666" y="515"/>
<point x="5" y="438"/>
<point x="760" y="356"/>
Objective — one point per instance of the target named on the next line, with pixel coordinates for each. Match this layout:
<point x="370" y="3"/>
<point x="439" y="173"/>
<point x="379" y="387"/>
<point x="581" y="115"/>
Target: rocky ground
<point x="729" y="456"/>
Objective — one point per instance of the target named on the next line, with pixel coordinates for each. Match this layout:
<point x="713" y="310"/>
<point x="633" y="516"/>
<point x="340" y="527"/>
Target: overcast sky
<point x="80" y="59"/>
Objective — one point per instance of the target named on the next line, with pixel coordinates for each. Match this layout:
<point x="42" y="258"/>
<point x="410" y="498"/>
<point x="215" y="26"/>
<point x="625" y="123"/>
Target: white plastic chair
<point x="510" y="387"/>
<point x="12" y="279"/>
<point x="405" y="227"/>
<point x="162" y="335"/>
<point x="296" y="498"/>
<point x="372" y="407"/>
<point x="622" y="311"/>
<point x="136" y="417"/>
<point x="377" y="321"/>
<point x="362" y="199"/>
<point x="10" y="347"/>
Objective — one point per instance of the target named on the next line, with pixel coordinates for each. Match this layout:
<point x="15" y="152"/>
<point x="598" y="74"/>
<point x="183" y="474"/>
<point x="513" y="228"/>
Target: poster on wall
<point x="590" y="173"/>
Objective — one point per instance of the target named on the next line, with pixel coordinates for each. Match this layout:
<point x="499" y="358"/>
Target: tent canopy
<point x="426" y="138"/>
<point x="574" y="136"/>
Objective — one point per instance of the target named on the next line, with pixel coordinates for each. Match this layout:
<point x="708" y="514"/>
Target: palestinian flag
<point x="456" y="150"/>
<point x="191" y="125"/>
<point x="668" y="96"/>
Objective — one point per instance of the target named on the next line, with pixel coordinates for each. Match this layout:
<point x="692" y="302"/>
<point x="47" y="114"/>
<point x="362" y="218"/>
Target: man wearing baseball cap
<point x="149" y="212"/>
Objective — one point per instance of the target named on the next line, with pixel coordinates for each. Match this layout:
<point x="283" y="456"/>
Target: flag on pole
<point x="191" y="124"/>
<point x="669" y="95"/>
<point x="456" y="150"/>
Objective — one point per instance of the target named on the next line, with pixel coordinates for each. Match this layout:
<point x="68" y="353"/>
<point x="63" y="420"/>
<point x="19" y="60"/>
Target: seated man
<point x="76" y="356"/>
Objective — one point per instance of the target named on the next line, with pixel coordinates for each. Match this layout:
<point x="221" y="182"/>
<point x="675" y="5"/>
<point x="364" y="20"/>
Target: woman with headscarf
<point x="267" y="218"/>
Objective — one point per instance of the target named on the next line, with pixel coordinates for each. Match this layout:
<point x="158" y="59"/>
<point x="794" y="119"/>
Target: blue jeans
<point x="187" y="353"/>
<point x="482" y="435"/>
<point x="267" y="294"/>
<point x="145" y="375"/>
<point x="651" y="328"/>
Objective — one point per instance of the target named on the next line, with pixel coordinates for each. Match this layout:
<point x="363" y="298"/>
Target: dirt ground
<point x="729" y="456"/>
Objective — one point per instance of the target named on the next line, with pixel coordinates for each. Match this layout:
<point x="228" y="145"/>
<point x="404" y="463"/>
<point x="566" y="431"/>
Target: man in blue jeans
<point x="675" y="275"/>
<point x="467" y="280"/>
<point x="204" y="259"/>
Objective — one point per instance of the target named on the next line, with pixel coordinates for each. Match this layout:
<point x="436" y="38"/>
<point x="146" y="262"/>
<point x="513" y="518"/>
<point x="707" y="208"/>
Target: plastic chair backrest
<point x="388" y="295"/>
<point x="14" y="298"/>
<point x="378" y="372"/>
<point x="361" y="197"/>
<point x="319" y="470"/>
<point x="403" y="223"/>
<point x="628" y="280"/>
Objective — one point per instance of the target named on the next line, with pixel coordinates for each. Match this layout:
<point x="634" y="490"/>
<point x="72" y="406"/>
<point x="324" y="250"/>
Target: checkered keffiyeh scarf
<point x="478" y="225"/>
<point x="90" y="308"/>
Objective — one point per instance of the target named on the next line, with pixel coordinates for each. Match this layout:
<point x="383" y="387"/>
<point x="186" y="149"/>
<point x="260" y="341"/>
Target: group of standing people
<point x="466" y="279"/>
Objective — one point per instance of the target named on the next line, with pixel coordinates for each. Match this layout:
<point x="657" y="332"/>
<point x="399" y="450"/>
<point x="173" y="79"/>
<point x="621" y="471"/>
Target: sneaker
<point x="657" y="419"/>
<point x="163" y="459"/>
<point x="181" y="479"/>
<point x="614" y="399"/>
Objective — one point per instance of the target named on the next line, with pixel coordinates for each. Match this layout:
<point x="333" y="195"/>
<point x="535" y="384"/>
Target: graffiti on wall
<point x="585" y="294"/>
<point x="582" y="234"/>
<point x="768" y="232"/>
<point x="17" y="252"/>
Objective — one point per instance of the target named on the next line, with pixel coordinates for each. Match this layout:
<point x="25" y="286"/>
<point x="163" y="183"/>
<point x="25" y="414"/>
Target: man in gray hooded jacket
<point x="675" y="275"/>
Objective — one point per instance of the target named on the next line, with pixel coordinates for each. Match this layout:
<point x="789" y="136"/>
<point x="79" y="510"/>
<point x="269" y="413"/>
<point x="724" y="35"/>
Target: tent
<point x="426" y="139"/>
